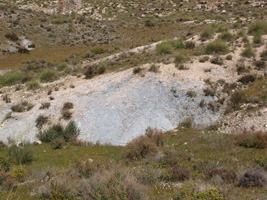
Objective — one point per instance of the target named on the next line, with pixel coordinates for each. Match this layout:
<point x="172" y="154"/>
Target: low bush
<point x="5" y="164"/>
<point x="175" y="174"/>
<point x="98" y="50"/>
<point x="33" y="85"/>
<point x="226" y="175"/>
<point x="253" y="177"/>
<point x="66" y="114"/>
<point x="57" y="143"/>
<point x="67" y="106"/>
<point x="252" y="139"/>
<point x="191" y="191"/>
<point x="144" y="145"/>
<point x="40" y="121"/>
<point x="258" y="26"/>
<point x="204" y="59"/>
<point x="12" y="36"/>
<point x="179" y="44"/>
<point x="187" y="123"/>
<point x="113" y="185"/>
<point x="164" y="48"/>
<point x="22" y="107"/>
<point x="93" y="70"/>
<point x="13" y="77"/>
<point x="48" y="75"/>
<point x="237" y="97"/>
<point x="217" y="60"/>
<point x="248" y="52"/>
<point x="180" y="58"/>
<point x="246" y="79"/>
<point x="217" y="47"/>
<point x="58" y="132"/>
<point x="20" y="155"/>
<point x="229" y="57"/>
<point x="190" y="45"/>
<point x="264" y="55"/>
<point x="137" y="70"/>
<point x="257" y="37"/>
<point x="260" y="64"/>
<point x="154" y="68"/>
<point x="207" y="33"/>
<point x="261" y="161"/>
<point x="19" y="173"/>
<point x="226" y="36"/>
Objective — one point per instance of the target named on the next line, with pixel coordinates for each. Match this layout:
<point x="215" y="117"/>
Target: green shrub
<point x="179" y="44"/>
<point x="58" y="132"/>
<point x="164" y="47"/>
<point x="19" y="173"/>
<point x="20" y="155"/>
<point x="62" y="66"/>
<point x="5" y="164"/>
<point x="191" y="191"/>
<point x="13" y="77"/>
<point x="48" y="75"/>
<point x="207" y="33"/>
<point x="258" y="25"/>
<point x="248" y="52"/>
<point x="261" y="161"/>
<point x="246" y="79"/>
<point x="217" y="47"/>
<point x="180" y="58"/>
<point x="257" y="37"/>
<point x="226" y="36"/>
<point x="98" y="50"/>
<point x="33" y="85"/>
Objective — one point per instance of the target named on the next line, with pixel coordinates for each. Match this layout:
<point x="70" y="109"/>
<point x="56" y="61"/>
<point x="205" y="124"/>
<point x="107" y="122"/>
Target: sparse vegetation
<point x="217" y="47"/>
<point x="248" y="52"/>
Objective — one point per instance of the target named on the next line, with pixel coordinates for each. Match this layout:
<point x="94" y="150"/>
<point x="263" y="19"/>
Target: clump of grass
<point x="98" y="50"/>
<point x="13" y="77"/>
<point x="258" y="26"/>
<point x="257" y="37"/>
<point x="180" y="58"/>
<point x="248" y="52"/>
<point x="226" y="36"/>
<point x="175" y="174"/>
<point x="164" y="47"/>
<point x="187" y="123"/>
<point x="228" y="176"/>
<point x="207" y="33"/>
<point x="217" y="47"/>
<point x="179" y="44"/>
<point x="252" y="139"/>
<point x="48" y="75"/>
<point x="21" y="107"/>
<point x="33" y="85"/>
<point x="12" y="36"/>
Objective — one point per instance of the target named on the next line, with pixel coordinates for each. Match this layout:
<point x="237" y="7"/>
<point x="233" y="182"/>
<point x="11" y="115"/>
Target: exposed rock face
<point x="115" y="108"/>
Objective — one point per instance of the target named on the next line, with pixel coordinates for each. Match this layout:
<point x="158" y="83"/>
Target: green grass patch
<point x="13" y="77"/>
